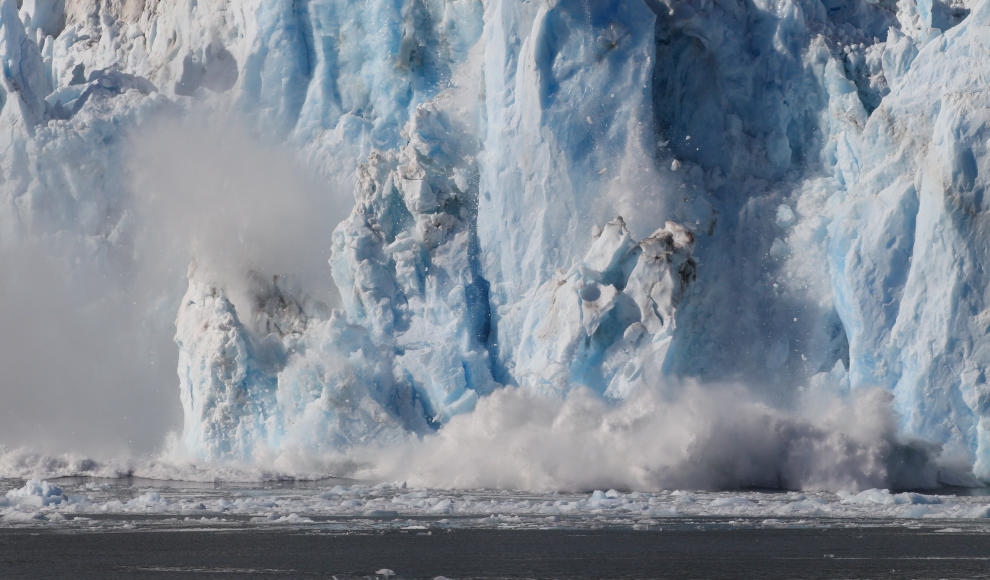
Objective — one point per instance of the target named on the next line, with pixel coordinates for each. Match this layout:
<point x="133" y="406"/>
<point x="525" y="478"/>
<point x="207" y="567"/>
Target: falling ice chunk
<point x="785" y="216"/>
<point x="602" y="172"/>
<point x="779" y="249"/>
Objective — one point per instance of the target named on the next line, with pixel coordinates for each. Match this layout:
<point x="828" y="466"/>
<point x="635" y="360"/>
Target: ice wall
<point x="907" y="249"/>
<point x="820" y="163"/>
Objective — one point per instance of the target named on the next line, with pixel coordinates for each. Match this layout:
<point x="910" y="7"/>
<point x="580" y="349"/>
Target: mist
<point x="692" y="437"/>
<point x="87" y="349"/>
<point x="683" y="435"/>
<point x="212" y="192"/>
<point x="87" y="365"/>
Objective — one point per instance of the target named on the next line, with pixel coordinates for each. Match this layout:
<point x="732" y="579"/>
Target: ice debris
<point x="36" y="493"/>
<point x="382" y="506"/>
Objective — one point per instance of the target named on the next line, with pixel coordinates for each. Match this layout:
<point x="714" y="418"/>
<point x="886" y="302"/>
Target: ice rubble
<point x="824" y="159"/>
<point x="397" y="506"/>
<point x="35" y="493"/>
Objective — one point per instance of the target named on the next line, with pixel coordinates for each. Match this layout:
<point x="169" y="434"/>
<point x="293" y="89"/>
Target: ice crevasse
<point x="800" y="185"/>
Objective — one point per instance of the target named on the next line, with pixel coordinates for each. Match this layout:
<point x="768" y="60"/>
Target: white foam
<point x="686" y="436"/>
<point x="689" y="436"/>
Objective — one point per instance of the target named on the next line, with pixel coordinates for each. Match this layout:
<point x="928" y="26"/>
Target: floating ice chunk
<point x="918" y="511"/>
<point x="19" y="517"/>
<point x="804" y="507"/>
<point x="884" y="497"/>
<point x="730" y="502"/>
<point x="151" y="498"/>
<point x="335" y="492"/>
<point x="977" y="513"/>
<point x="442" y="507"/>
<point x="36" y="493"/>
<point x="292" y="518"/>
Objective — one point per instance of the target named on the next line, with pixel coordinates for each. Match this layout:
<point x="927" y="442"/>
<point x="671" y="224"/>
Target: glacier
<point x="568" y="198"/>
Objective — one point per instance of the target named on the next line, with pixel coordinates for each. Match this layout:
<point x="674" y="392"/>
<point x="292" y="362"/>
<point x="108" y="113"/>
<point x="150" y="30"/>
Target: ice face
<point x="608" y="322"/>
<point x="821" y="166"/>
<point x="906" y="246"/>
<point x="567" y="96"/>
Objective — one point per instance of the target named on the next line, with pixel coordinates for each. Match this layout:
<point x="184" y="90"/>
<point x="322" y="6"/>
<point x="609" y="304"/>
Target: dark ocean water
<point x="682" y="552"/>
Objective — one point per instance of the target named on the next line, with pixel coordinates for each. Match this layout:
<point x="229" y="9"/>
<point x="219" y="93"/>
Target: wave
<point x="704" y="437"/>
<point x="24" y="463"/>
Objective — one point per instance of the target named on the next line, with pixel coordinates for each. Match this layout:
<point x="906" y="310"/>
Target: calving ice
<point x="710" y="244"/>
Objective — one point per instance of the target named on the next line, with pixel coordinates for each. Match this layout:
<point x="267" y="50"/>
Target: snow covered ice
<point x="604" y="229"/>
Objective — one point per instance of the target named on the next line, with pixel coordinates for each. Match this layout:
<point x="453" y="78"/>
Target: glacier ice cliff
<point x="800" y="185"/>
